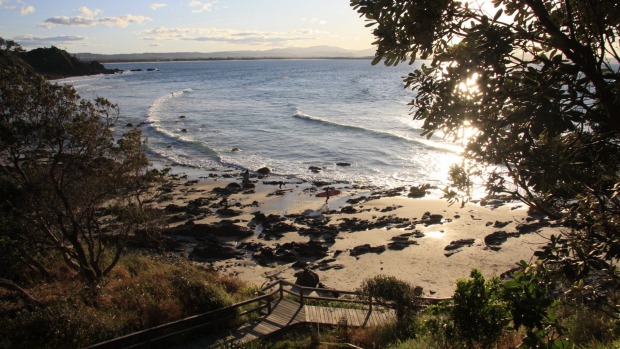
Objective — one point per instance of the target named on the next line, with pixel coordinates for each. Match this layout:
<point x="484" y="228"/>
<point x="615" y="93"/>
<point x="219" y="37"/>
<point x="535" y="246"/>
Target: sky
<point x="136" y="26"/>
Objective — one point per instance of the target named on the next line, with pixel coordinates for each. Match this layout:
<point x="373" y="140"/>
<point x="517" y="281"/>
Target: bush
<point x="478" y="313"/>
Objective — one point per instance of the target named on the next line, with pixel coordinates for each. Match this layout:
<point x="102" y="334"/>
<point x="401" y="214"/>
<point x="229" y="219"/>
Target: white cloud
<point x="88" y="13"/>
<point x="200" y="6"/>
<point x="157" y="5"/>
<point x="232" y="36"/>
<point x="25" y="10"/>
<point x="314" y="20"/>
<point x="89" y="19"/>
<point x="37" y="41"/>
<point x="17" y="5"/>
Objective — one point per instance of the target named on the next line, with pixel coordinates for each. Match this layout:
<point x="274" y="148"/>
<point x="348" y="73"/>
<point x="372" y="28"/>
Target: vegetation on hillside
<point x="50" y="62"/>
<point x="141" y="292"/>
<point x="67" y="186"/>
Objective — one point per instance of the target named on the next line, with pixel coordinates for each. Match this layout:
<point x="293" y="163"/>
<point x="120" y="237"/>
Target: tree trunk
<point x="10" y="285"/>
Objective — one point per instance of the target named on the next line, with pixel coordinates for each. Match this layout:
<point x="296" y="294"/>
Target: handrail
<point x="181" y="327"/>
<point x="302" y="296"/>
<point x="162" y="333"/>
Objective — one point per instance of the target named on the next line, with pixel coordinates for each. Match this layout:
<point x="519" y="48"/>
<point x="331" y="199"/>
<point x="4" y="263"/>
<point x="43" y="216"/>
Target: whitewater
<point x="288" y="115"/>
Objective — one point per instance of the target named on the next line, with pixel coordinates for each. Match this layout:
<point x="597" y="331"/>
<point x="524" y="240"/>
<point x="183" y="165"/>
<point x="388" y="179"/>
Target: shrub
<point x="478" y="313"/>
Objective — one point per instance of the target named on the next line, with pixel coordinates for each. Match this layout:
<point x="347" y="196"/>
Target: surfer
<point x="327" y="189"/>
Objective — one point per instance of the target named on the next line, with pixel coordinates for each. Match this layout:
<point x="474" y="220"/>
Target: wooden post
<point x="268" y="306"/>
<point x="301" y="295"/>
<point x="281" y="290"/>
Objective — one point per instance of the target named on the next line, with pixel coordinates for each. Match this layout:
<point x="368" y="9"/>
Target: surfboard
<point x="332" y="192"/>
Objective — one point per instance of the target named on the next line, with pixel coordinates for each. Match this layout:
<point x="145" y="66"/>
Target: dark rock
<point x="307" y="278"/>
<point x="499" y="224"/>
<point x="144" y="240"/>
<point x="299" y="265"/>
<point x="496" y="238"/>
<point x="459" y="243"/>
<point x="348" y="210"/>
<point x="430" y="219"/>
<point x="184" y="130"/>
<point x="399" y="245"/>
<point x="419" y="191"/>
<point x="343" y="164"/>
<point x="212" y="251"/>
<point x="264" y="170"/>
<point x="366" y="248"/>
<point x="329" y="291"/>
<point x="175" y="208"/>
<point x="129" y="124"/>
<point x="234" y="150"/>
<point x="227" y="212"/>
<point x="225" y="228"/>
<point x="314" y="169"/>
<point x="182" y="117"/>
<point x="233" y="187"/>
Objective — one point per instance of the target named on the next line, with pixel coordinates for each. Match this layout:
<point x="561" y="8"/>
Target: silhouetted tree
<point x="537" y="81"/>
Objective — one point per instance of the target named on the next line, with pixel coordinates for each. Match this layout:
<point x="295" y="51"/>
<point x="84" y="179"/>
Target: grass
<point x="141" y="292"/>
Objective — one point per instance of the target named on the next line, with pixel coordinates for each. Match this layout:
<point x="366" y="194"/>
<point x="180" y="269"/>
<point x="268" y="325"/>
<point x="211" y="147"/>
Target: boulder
<point x="307" y="278"/>
<point x="264" y="170"/>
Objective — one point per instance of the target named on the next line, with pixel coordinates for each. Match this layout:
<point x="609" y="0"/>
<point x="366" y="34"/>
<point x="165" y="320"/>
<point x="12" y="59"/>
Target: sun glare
<point x="469" y="87"/>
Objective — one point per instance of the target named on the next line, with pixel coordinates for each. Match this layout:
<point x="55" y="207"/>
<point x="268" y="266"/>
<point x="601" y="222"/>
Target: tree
<point x="10" y="45"/>
<point x="66" y="186"/>
<point x="538" y="82"/>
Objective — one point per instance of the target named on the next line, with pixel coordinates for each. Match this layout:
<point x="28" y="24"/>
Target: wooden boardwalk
<point x="286" y="313"/>
<point x="275" y="313"/>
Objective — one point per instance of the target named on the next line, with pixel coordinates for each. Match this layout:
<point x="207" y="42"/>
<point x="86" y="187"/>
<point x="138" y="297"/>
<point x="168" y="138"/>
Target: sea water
<point x="348" y="118"/>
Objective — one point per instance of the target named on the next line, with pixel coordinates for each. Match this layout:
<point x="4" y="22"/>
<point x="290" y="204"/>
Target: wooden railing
<point x="303" y="293"/>
<point x="302" y="296"/>
<point x="174" y="332"/>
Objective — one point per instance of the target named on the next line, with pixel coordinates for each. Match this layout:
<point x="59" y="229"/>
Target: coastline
<point x="259" y="230"/>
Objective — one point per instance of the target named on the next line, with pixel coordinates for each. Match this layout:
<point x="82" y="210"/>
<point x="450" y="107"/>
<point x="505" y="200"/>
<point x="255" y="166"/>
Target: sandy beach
<point x="277" y="229"/>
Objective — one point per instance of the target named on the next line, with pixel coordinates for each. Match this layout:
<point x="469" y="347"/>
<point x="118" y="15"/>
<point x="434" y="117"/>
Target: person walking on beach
<point x="326" y="194"/>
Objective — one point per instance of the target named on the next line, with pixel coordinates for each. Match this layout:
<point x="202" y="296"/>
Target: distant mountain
<point x="283" y="53"/>
<point x="52" y="63"/>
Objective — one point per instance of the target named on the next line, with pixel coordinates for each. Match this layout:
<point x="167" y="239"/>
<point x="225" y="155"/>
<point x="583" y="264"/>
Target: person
<point x="326" y="194"/>
<point x="246" y="175"/>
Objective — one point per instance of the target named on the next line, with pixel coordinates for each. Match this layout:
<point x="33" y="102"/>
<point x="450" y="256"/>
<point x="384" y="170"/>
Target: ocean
<point x="344" y="116"/>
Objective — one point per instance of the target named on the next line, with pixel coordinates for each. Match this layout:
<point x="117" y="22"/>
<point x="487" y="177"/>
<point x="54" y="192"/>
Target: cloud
<point x="17" y="5"/>
<point x="157" y="5"/>
<point x="88" y="18"/>
<point x="200" y="6"/>
<point x="314" y="20"/>
<point x="231" y="36"/>
<point x="88" y="13"/>
<point x="25" y="10"/>
<point x="37" y="41"/>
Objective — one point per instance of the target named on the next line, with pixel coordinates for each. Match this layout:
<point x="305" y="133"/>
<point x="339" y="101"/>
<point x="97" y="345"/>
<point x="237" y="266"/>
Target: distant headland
<point x="52" y="62"/>
<point x="315" y="52"/>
